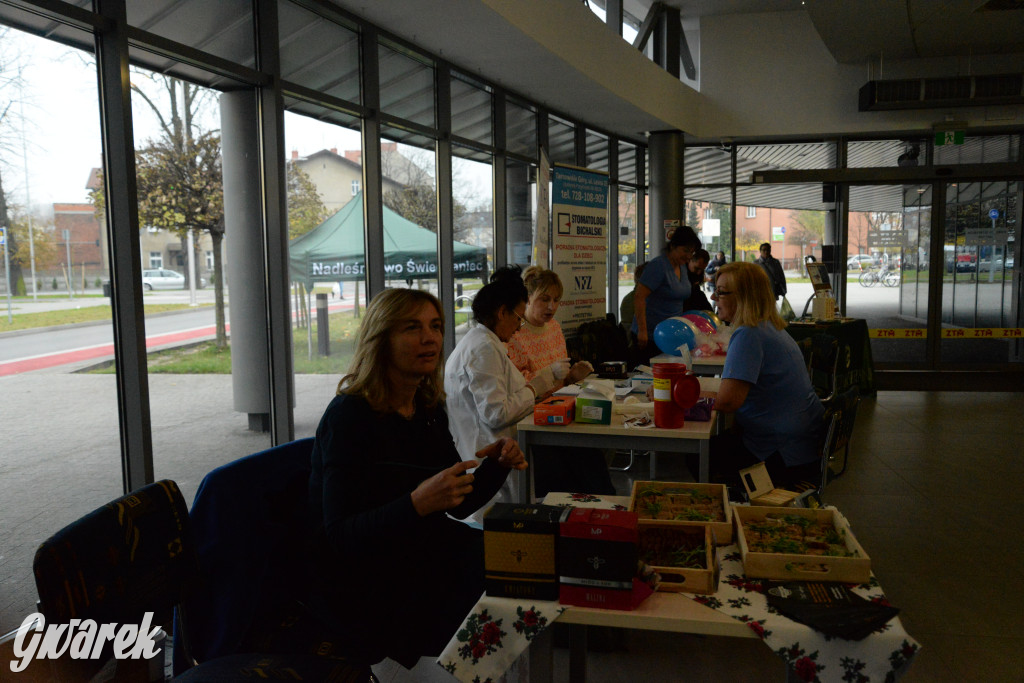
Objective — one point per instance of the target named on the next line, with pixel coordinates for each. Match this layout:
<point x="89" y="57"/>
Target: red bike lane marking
<point x="63" y="357"/>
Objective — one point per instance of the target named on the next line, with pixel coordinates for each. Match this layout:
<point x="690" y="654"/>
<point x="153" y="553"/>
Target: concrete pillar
<point x="243" y="217"/>
<point x="520" y="222"/>
<point x="666" y="185"/>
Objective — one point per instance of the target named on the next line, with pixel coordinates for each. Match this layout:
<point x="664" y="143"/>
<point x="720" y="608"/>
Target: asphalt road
<point x="67" y="349"/>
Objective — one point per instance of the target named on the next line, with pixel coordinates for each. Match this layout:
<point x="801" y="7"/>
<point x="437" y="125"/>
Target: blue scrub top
<point x="668" y="292"/>
<point x="782" y="412"/>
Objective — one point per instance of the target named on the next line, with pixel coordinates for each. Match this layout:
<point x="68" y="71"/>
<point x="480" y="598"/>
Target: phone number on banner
<point x="958" y="333"/>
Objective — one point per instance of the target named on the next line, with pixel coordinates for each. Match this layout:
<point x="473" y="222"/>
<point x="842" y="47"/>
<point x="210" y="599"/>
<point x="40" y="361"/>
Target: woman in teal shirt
<point x="663" y="288"/>
<point x="765" y="383"/>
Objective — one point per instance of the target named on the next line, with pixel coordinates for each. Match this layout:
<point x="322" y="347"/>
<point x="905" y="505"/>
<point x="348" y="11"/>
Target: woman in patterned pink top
<point x="537" y="345"/>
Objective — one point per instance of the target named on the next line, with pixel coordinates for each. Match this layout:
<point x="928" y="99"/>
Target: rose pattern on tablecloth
<point x="585" y="500"/>
<point x="812" y="656"/>
<point x="481" y="634"/>
<point x="482" y="650"/>
<point x="530" y="622"/>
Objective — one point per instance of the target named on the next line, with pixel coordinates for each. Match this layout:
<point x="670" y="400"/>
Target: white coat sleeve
<point x="502" y="397"/>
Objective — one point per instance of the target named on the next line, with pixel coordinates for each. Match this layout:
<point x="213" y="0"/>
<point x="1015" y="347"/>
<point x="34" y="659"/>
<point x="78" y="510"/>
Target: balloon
<point x="672" y="333"/>
<point x="709" y="315"/>
<point x="702" y="323"/>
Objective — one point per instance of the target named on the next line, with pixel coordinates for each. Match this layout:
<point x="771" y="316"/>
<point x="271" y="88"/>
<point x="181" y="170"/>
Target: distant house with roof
<point x="338" y="178"/>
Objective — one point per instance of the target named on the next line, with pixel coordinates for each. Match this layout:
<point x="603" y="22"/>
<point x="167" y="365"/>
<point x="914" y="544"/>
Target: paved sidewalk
<point x="61" y="453"/>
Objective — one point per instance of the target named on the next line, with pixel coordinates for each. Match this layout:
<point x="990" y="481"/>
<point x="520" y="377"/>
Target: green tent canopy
<point x="333" y="251"/>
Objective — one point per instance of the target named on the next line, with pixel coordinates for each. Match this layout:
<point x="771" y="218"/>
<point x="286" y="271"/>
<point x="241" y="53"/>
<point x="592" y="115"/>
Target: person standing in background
<point x="662" y="290"/>
<point x="696" y="268"/>
<point x="774" y="270"/>
<point x="709" y="273"/>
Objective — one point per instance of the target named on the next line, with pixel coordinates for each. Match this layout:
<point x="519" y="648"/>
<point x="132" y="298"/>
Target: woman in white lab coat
<point x="486" y="393"/>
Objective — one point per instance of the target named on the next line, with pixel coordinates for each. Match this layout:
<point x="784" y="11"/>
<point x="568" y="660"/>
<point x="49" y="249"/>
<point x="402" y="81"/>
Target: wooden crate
<point x="799" y="566"/>
<point x="723" y="530"/>
<point x="681" y="579"/>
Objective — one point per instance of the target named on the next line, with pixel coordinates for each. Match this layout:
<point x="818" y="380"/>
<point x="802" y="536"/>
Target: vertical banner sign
<point x="542" y="240"/>
<point x="580" y="240"/>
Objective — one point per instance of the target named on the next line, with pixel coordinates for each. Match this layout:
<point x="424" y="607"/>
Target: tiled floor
<point x="932" y="492"/>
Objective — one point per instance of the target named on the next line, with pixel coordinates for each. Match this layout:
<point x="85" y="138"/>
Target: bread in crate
<point x="799" y="544"/>
<point x="684" y="503"/>
<point x="683" y="556"/>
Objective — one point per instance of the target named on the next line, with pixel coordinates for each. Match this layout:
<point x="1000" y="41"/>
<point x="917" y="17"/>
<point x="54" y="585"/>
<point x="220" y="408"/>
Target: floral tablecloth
<point x="498" y="630"/>
<point x="882" y="656"/>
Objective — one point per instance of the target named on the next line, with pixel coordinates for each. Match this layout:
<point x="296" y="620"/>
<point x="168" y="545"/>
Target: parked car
<point x="964" y="263"/>
<point x="860" y="261"/>
<point x="161" y="278"/>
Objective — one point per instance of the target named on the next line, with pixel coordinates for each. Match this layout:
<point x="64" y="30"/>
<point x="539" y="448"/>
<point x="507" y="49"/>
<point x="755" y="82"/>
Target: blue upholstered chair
<point x="249" y="524"/>
<point x="248" y="521"/>
<point x="135" y="555"/>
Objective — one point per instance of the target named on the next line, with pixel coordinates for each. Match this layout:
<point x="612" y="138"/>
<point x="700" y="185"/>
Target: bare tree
<point x="11" y="136"/>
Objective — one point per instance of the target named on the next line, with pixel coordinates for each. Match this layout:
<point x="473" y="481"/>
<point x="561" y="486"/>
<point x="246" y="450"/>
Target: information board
<point x="580" y="243"/>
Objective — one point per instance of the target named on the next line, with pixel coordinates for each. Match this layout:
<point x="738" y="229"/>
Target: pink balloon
<point x="700" y="322"/>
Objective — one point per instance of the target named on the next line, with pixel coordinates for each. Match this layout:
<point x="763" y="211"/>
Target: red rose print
<point x="530" y="618"/>
<point x="491" y="634"/>
<point x="806" y="669"/>
<point x="479" y="650"/>
<point x="758" y="628"/>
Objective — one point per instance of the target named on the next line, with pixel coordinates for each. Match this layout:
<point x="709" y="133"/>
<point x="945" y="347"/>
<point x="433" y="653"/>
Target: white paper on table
<point x="570" y="390"/>
<point x="634" y="408"/>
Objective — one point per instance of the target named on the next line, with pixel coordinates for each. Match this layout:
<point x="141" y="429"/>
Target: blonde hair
<point x="752" y="294"/>
<point x="367" y="375"/>
<point x="539" y="280"/>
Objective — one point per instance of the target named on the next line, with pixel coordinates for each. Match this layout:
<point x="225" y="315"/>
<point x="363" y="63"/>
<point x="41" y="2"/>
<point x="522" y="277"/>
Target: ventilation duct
<point x="934" y="93"/>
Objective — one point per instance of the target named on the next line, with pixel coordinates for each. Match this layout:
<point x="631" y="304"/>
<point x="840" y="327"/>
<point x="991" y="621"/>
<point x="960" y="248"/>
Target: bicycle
<point x="890" y="277"/>
<point x="868" y="278"/>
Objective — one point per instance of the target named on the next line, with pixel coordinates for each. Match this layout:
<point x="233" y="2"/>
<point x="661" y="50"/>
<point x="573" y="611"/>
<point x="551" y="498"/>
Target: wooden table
<point x="692" y="437"/>
<point x="672" y="612"/>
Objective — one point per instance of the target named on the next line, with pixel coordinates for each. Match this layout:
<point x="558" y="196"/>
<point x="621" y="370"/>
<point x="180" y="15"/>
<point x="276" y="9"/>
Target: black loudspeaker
<point x="828" y="255"/>
<point x="828" y="193"/>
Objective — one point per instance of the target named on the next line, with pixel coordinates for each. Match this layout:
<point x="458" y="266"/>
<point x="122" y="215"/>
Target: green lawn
<point x="205" y="358"/>
<point x="25" y="321"/>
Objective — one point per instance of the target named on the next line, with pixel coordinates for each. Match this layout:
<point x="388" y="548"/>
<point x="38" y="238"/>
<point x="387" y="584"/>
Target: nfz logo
<point x="584" y="281"/>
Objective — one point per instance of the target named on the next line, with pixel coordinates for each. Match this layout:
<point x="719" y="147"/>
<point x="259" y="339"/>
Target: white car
<point x="859" y="261"/>
<point x="161" y="278"/>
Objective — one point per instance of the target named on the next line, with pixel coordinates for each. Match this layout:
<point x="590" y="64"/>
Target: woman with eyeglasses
<point x="486" y="393"/>
<point x="778" y="417"/>
<point x="537" y="345"/>
<point x="662" y="290"/>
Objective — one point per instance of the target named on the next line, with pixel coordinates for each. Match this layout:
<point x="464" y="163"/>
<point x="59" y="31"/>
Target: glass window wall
<point x="57" y="374"/>
<point x="328" y="274"/>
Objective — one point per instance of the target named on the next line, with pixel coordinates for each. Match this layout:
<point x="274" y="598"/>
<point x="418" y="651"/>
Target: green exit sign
<point x="949" y="137"/>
